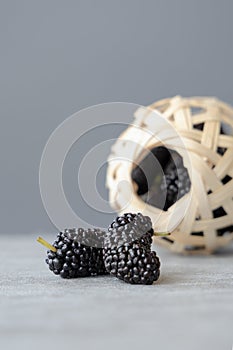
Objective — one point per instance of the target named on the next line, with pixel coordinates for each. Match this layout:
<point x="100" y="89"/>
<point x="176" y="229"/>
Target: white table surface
<point x="191" y="307"/>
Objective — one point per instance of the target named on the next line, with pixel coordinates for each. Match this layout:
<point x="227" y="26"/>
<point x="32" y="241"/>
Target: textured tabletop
<point x="191" y="307"/>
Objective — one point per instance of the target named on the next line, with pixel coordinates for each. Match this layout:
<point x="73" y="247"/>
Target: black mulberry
<point x="127" y="250"/>
<point x="77" y="253"/>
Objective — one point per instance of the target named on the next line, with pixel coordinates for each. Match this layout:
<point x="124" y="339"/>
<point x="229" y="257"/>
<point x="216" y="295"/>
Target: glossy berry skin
<point x="79" y="254"/>
<point x="127" y="250"/>
<point x="133" y="264"/>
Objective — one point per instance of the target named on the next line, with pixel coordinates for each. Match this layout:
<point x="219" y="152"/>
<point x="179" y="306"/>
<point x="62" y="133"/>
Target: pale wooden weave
<point x="207" y="168"/>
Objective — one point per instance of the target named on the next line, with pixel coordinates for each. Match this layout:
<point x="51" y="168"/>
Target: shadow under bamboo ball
<point x="199" y="131"/>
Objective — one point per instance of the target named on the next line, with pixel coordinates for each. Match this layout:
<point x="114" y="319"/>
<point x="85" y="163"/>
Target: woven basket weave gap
<point x="219" y="212"/>
<point x="221" y="150"/>
<point x="200" y="233"/>
<point x="190" y="248"/>
<point x="224" y="230"/>
<point x="197" y="110"/>
<point x="222" y="132"/>
<point x="199" y="126"/>
<point x="226" y="179"/>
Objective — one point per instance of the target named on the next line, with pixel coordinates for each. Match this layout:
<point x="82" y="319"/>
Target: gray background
<point x="58" y="57"/>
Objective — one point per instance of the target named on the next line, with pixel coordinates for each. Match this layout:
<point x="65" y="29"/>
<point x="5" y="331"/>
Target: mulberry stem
<point x="46" y="244"/>
<point x="161" y="234"/>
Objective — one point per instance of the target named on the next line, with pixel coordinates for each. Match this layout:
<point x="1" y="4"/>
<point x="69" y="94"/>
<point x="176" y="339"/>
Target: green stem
<point x="46" y="244"/>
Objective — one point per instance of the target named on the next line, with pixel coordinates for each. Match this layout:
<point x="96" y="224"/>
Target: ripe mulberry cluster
<point x="127" y="250"/>
<point x="124" y="251"/>
<point x="78" y="254"/>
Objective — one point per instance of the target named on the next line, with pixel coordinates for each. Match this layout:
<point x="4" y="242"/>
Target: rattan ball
<point x="207" y="154"/>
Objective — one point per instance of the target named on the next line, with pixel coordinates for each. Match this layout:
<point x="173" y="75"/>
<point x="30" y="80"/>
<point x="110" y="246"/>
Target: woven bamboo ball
<point x="199" y="129"/>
